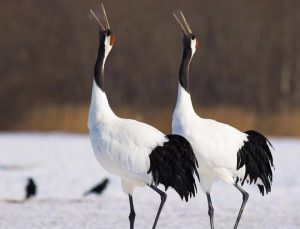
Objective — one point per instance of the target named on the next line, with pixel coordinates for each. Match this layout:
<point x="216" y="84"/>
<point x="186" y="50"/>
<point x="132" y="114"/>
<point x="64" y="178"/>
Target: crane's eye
<point x="112" y="39"/>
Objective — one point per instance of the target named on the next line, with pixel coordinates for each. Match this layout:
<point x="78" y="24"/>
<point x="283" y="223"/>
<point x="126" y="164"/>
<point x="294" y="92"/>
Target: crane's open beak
<point x="103" y="25"/>
<point x="183" y="23"/>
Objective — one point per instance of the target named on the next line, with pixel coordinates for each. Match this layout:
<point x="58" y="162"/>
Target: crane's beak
<point x="182" y="22"/>
<point x="103" y="26"/>
<point x="104" y="13"/>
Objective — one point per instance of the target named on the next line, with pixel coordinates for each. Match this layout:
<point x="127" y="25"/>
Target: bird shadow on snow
<point x="48" y="200"/>
<point x="16" y="167"/>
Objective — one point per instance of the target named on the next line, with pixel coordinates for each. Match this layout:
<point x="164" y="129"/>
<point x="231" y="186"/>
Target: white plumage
<point x="122" y="146"/>
<point x="223" y="152"/>
<point x="136" y="152"/>
<point x="215" y="144"/>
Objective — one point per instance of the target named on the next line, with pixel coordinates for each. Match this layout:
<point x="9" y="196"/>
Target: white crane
<point x="223" y="152"/>
<point x="136" y="152"/>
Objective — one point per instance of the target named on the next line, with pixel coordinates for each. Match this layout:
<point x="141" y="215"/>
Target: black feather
<point x="257" y="158"/>
<point x="174" y="165"/>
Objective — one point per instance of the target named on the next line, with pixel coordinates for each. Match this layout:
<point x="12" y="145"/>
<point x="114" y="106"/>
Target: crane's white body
<point x="122" y="146"/>
<point x="223" y="152"/>
<point x="215" y="144"/>
<point x="136" y="152"/>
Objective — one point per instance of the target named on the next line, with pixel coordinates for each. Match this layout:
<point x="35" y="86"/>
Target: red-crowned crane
<point x="223" y="152"/>
<point x="136" y="152"/>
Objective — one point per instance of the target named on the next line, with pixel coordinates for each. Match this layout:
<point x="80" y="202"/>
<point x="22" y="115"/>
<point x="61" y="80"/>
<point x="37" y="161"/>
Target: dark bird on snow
<point x="30" y="188"/>
<point x="98" y="189"/>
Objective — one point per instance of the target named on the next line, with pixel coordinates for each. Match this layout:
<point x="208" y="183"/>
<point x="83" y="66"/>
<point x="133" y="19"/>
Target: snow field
<point x="63" y="166"/>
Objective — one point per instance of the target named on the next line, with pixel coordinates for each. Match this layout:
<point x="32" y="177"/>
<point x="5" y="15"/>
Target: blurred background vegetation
<point x="246" y="71"/>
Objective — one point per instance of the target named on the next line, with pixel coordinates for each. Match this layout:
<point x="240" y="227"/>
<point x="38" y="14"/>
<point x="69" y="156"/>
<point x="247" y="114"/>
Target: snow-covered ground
<point x="63" y="166"/>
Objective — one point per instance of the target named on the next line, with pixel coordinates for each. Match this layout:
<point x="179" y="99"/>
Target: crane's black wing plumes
<point x="174" y="165"/>
<point x="257" y="158"/>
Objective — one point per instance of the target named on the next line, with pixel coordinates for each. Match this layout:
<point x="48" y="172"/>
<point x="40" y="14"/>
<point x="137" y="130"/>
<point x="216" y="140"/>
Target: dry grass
<point x="62" y="118"/>
<point x="74" y="118"/>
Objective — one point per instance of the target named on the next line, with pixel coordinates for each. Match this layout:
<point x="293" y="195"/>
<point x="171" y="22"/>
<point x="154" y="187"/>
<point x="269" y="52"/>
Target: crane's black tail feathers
<point x="174" y="165"/>
<point x="257" y="158"/>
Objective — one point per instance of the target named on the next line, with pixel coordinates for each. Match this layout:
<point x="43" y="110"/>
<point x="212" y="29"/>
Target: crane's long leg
<point x="210" y="210"/>
<point x="132" y="212"/>
<point x="163" y="197"/>
<point x="245" y="198"/>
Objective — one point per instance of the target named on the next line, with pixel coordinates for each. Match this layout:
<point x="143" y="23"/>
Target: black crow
<point x="30" y="188"/>
<point x="98" y="189"/>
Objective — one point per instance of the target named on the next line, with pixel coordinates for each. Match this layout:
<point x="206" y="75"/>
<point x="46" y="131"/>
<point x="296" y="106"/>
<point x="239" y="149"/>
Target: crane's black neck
<point x="185" y="64"/>
<point x="99" y="65"/>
